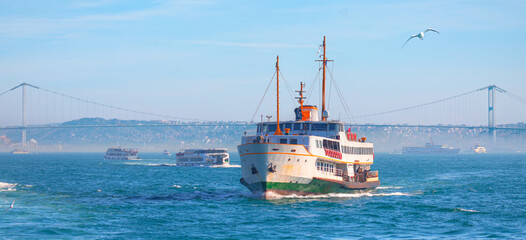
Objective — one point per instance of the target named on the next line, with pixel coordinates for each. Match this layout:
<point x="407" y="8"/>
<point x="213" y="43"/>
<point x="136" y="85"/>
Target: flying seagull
<point x="420" y="35"/>
<point x="12" y="204"/>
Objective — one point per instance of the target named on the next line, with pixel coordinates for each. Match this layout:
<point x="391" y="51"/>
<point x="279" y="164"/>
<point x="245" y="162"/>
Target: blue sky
<point x="212" y="60"/>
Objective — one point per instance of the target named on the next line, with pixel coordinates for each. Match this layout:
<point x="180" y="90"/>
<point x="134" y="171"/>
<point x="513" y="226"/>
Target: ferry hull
<point x="287" y="169"/>
<point x="315" y="187"/>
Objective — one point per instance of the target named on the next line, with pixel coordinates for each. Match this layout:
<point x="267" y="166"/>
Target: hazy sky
<point x="213" y="60"/>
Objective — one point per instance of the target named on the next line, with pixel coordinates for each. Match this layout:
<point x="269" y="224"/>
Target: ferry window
<point x="288" y="125"/>
<point x="259" y="128"/>
<point x="283" y="140"/>
<point x="319" y="126"/>
<point x="333" y="127"/>
<point x="272" y="127"/>
<point x="306" y="126"/>
<point x="341" y="128"/>
<point x="293" y="141"/>
<point x="297" y="126"/>
<point x="264" y="128"/>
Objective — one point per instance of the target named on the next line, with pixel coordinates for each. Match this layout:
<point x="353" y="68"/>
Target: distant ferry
<point x="120" y="153"/>
<point x="478" y="149"/>
<point x="20" y="151"/>
<point x="166" y="153"/>
<point x="205" y="157"/>
<point x="430" y="148"/>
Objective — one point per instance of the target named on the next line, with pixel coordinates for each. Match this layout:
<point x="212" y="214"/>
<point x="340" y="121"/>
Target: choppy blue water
<point x="84" y="196"/>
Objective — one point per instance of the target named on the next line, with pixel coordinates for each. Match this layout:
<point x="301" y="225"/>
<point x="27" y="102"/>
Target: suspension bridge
<point x="43" y="108"/>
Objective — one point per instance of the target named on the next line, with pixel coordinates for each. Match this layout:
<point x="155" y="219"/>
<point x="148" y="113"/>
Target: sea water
<point x="81" y="195"/>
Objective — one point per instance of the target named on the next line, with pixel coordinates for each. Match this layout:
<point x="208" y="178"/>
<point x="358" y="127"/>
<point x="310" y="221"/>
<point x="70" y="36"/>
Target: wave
<point x="272" y="195"/>
<point x="10" y="187"/>
<point x="153" y="164"/>
<point x="174" y="165"/>
<point x="7" y="187"/>
<point x="464" y="210"/>
<point x="389" y="187"/>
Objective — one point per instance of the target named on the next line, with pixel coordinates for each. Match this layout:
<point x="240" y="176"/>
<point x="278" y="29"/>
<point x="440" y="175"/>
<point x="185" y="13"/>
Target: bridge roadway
<point x="248" y="125"/>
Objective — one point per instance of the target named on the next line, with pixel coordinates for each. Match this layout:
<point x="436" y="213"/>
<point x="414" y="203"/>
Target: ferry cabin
<point x="339" y="154"/>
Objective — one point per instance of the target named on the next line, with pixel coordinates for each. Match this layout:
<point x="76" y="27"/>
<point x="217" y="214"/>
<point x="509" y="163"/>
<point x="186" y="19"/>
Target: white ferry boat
<point x="430" y="148"/>
<point x="20" y="151"/>
<point x="478" y="149"/>
<point x="120" y="153"/>
<point x="203" y="157"/>
<point x="310" y="156"/>
<point x="166" y="153"/>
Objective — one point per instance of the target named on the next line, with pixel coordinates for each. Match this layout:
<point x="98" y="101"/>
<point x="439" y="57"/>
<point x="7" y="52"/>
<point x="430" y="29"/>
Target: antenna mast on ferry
<point x="324" y="113"/>
<point x="301" y="98"/>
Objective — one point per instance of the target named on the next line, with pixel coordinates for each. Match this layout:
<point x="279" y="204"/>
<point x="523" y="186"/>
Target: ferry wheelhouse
<point x="306" y="156"/>
<point x="203" y="157"/>
<point x="120" y="153"/>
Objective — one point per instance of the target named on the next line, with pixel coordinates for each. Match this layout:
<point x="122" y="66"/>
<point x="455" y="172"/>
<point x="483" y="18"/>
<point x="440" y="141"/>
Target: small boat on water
<point x="306" y="156"/>
<point x="166" y="153"/>
<point x="20" y="151"/>
<point x="120" y="153"/>
<point x="203" y="157"/>
<point x="478" y="149"/>
<point x="430" y="148"/>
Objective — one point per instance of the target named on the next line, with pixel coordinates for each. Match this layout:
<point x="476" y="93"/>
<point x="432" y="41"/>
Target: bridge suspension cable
<point x="420" y="105"/>
<point x="99" y="104"/>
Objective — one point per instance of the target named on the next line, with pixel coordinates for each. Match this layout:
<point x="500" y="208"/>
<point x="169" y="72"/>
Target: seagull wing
<point x="409" y="39"/>
<point x="430" y="29"/>
<point x="12" y="204"/>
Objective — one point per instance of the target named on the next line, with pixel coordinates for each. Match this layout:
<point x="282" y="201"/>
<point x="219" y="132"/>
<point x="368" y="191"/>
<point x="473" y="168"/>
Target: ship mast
<point x="324" y="113"/>
<point x="278" y="130"/>
<point x="301" y="98"/>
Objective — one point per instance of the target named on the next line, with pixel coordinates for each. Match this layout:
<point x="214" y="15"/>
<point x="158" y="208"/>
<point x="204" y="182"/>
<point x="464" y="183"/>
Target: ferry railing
<point x="372" y="174"/>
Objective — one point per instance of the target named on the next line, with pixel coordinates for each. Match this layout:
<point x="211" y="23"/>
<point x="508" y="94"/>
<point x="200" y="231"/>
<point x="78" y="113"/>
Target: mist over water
<point x="82" y="195"/>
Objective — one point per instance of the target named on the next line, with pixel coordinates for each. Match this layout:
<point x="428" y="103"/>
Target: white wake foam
<point x="465" y="210"/>
<point x="153" y="164"/>
<point x="389" y="187"/>
<point x="272" y="195"/>
<point x="226" y="166"/>
<point x="7" y="187"/>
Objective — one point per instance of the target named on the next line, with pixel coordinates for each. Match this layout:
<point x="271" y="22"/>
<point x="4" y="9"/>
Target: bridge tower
<point x="491" y="111"/>
<point x="23" y="115"/>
